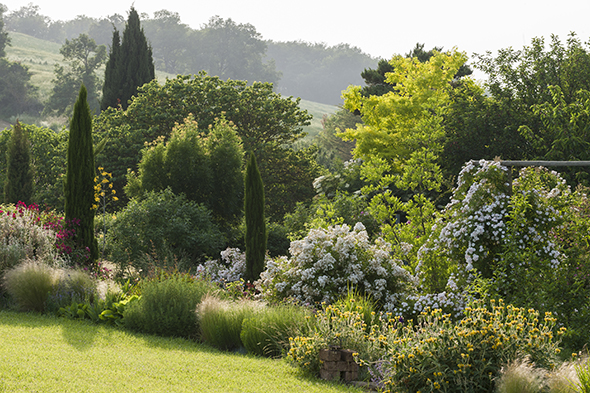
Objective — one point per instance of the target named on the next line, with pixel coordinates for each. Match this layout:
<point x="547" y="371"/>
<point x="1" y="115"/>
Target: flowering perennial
<point x="327" y="262"/>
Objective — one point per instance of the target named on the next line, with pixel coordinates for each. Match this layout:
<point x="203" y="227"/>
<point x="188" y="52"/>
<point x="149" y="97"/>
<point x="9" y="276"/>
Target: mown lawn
<point x="47" y="354"/>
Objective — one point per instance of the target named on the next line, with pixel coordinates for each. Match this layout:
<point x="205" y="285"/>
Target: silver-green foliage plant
<point x="327" y="261"/>
<point x="30" y="284"/>
<point x="23" y="237"/>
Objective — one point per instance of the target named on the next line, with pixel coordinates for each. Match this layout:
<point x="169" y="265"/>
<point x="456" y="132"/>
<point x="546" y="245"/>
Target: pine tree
<point x="134" y="66"/>
<point x="79" y="185"/>
<point x="111" y="90"/>
<point x="19" y="174"/>
<point x="256" y="234"/>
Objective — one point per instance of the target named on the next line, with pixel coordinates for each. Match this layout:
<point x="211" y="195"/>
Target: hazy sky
<point x="380" y="28"/>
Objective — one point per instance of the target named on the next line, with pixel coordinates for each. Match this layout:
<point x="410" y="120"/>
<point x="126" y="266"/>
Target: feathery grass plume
<point x="220" y="321"/>
<point x="520" y="376"/>
<point x="30" y="284"/>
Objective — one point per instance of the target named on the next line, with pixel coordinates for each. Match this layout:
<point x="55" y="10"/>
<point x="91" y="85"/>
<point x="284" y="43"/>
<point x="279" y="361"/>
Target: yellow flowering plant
<point x="438" y="354"/>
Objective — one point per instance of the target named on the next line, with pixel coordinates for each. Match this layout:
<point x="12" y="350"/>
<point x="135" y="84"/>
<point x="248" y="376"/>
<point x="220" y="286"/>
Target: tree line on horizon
<point x="221" y="47"/>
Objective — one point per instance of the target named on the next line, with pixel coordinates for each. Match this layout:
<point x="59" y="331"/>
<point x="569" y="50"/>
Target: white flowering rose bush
<point x="329" y="261"/>
<point x="498" y="231"/>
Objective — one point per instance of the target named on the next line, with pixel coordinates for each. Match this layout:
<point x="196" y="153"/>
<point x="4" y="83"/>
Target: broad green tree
<point x="206" y="169"/>
<point x="79" y="184"/>
<point x="84" y="58"/>
<point x="19" y="174"/>
<point x="170" y="40"/>
<point x="231" y="50"/>
<point x="135" y="64"/>
<point x="265" y="122"/>
<point x="256" y="234"/>
<point x="401" y="140"/>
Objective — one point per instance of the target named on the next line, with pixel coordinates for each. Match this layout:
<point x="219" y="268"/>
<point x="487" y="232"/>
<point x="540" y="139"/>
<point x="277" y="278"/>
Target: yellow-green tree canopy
<point x="408" y="118"/>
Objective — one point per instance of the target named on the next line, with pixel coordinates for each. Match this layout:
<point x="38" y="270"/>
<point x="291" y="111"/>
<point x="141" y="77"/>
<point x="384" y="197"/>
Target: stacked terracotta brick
<point x="338" y="365"/>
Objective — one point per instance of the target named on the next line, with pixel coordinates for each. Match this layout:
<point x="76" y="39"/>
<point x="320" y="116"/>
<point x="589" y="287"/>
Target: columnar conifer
<point x="79" y="185"/>
<point x="111" y="90"/>
<point x="133" y="63"/>
<point x="19" y="174"/>
<point x="256" y="234"/>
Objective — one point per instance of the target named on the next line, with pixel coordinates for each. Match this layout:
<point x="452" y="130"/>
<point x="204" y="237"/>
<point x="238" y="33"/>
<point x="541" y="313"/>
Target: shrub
<point x="72" y="286"/>
<point x="24" y="235"/>
<point x="466" y="355"/>
<point x="162" y="222"/>
<point x="167" y="306"/>
<point x="220" y="321"/>
<point x="30" y="284"/>
<point x="325" y="262"/>
<point x="267" y="333"/>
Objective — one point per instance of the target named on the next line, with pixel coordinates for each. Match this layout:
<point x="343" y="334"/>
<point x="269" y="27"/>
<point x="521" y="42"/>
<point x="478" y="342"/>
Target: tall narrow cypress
<point x="111" y="90"/>
<point x="133" y="62"/>
<point x="79" y="185"/>
<point x="256" y="234"/>
<point x="19" y="174"/>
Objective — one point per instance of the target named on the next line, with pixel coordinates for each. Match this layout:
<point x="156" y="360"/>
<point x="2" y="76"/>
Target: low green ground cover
<point x="47" y="354"/>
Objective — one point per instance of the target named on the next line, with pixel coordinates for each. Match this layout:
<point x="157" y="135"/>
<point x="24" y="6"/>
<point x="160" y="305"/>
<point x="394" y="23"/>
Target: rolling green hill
<point x="41" y="56"/>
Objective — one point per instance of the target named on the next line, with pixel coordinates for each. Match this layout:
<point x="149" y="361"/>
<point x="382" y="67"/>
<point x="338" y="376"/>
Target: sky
<point x="379" y="28"/>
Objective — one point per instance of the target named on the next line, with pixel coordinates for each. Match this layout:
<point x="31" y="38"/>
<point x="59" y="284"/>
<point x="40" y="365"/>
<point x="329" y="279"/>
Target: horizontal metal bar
<point x="545" y="163"/>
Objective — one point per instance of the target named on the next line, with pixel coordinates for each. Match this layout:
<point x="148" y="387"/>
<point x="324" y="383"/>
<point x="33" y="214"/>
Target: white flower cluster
<point x="327" y="262"/>
<point x="485" y="219"/>
<point x="231" y="269"/>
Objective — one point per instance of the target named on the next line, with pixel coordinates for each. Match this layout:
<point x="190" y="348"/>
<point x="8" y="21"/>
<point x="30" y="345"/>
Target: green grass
<point x="39" y="55"/>
<point x="46" y="354"/>
<point x="318" y="111"/>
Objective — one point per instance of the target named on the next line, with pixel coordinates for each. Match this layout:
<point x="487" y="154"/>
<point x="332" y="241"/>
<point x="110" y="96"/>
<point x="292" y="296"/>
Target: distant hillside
<point x="41" y="56"/>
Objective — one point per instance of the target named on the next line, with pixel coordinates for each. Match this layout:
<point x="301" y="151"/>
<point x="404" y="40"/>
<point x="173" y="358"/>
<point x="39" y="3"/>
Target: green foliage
<point x="167" y="306"/>
<point x="19" y="174"/>
<point x="73" y="286"/>
<point x="79" y="184"/>
<point x="115" y="310"/>
<point x="84" y="58"/>
<point x="332" y="150"/>
<point x="130" y="66"/>
<point x="17" y="94"/>
<point x="30" y="284"/>
<point x="48" y="151"/>
<point x="163" y="223"/>
<point x="565" y="133"/>
<point x="265" y="123"/>
<point x="520" y="377"/>
<point x="111" y="89"/>
<point x="4" y="39"/>
<point x="583" y="374"/>
<point x="205" y="168"/>
<point x="538" y="87"/>
<point x="267" y="333"/>
<point x="256" y="234"/>
<point x="220" y="321"/>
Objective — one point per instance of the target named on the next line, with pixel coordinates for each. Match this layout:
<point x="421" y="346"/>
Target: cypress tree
<point x="256" y="234"/>
<point x="79" y="185"/>
<point x="111" y="91"/>
<point x="19" y="174"/>
<point x="132" y="63"/>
